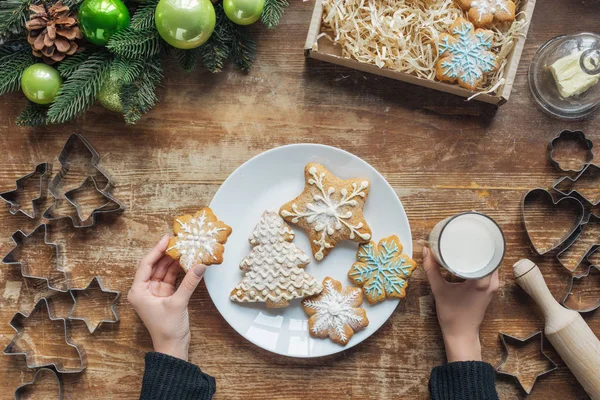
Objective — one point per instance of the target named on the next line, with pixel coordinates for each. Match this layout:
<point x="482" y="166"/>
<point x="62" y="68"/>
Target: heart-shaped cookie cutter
<point x="574" y="136"/>
<point x="22" y="388"/>
<point x="574" y="203"/>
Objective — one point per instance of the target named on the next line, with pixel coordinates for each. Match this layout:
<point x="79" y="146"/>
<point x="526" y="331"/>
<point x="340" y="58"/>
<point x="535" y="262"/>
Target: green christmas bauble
<point x="243" y="12"/>
<point x="100" y="19"/>
<point x="40" y="83"/>
<point x="110" y="94"/>
<point x="185" y="24"/>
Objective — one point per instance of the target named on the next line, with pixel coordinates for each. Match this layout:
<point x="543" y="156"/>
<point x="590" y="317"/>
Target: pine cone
<point x="53" y="32"/>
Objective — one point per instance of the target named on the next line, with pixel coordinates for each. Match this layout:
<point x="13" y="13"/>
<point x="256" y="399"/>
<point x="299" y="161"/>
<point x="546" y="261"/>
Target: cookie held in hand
<point x="382" y="270"/>
<point x="335" y="312"/>
<point x="482" y="13"/>
<point x="329" y="209"/>
<point x="274" y="269"/>
<point x="198" y="239"/>
<point x="465" y="55"/>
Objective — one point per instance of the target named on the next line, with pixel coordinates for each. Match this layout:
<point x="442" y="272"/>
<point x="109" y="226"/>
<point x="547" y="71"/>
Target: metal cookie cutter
<point x="567" y="185"/>
<point x="19" y="238"/>
<point x="113" y="306"/>
<point x="517" y="375"/>
<point x="567" y="203"/>
<point x="12" y="196"/>
<point x="572" y="136"/>
<point x="562" y="256"/>
<point x="577" y="304"/>
<point x="110" y="205"/>
<point x="17" y="324"/>
<point x="20" y="391"/>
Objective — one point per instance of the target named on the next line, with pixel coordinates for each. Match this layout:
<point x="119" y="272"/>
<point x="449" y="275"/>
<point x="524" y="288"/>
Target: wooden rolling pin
<point x="565" y="329"/>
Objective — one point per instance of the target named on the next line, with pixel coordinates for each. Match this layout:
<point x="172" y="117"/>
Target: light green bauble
<point x="243" y="12"/>
<point x="100" y="19"/>
<point x="40" y="83"/>
<point x="185" y="24"/>
<point x="110" y="94"/>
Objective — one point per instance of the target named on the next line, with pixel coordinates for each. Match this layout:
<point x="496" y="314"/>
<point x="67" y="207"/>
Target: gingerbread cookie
<point x="274" y="268"/>
<point x="198" y="239"/>
<point x="482" y="13"/>
<point x="382" y="269"/>
<point x="335" y="312"/>
<point x="465" y="55"/>
<point x="329" y="209"/>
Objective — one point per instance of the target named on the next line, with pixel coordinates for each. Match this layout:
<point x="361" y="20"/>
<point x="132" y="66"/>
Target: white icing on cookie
<point x="197" y="238"/>
<point x="329" y="212"/>
<point x="273" y="269"/>
<point x="334" y="311"/>
<point x="484" y="7"/>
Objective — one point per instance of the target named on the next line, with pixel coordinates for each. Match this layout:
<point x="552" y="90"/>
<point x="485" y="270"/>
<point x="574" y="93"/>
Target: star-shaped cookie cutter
<point x="17" y="324"/>
<point x="22" y="388"/>
<point x="113" y="305"/>
<point x="575" y="136"/>
<point x="517" y="375"/>
<point x="11" y="197"/>
<point x="19" y="237"/>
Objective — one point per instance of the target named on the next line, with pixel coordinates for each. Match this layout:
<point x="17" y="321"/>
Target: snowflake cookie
<point x="465" y="55"/>
<point x="335" y="312"/>
<point x="274" y="270"/>
<point x="482" y="13"/>
<point x="329" y="209"/>
<point x="382" y="269"/>
<point x="198" y="239"/>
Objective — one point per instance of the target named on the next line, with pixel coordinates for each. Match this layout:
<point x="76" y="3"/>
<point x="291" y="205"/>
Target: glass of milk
<point x="471" y="245"/>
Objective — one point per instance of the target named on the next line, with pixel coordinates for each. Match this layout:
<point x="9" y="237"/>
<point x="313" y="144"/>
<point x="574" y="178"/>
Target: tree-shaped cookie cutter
<point x="54" y="187"/>
<point x="19" y="237"/>
<point x="113" y="305"/>
<point x="592" y="218"/>
<point x="517" y="374"/>
<point x="17" y="324"/>
<point x="11" y="197"/>
<point x="575" y="136"/>
<point x="569" y="293"/>
<point x="22" y="388"/>
<point x="588" y="169"/>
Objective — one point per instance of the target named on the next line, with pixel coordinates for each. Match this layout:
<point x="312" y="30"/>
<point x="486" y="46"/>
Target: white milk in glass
<point x="470" y="245"/>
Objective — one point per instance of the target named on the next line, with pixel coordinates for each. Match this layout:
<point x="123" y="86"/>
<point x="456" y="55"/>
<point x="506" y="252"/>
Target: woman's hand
<point x="163" y="309"/>
<point x="460" y="309"/>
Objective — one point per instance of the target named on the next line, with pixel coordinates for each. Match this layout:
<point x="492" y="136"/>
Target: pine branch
<point x="11" y="69"/>
<point x="140" y="96"/>
<point x="72" y="3"/>
<point x="32" y="115"/>
<point x="144" y="16"/>
<point x="243" y="49"/>
<point x="127" y="69"/>
<point x="216" y="50"/>
<point x="71" y="64"/>
<point x="130" y="43"/>
<point x="13" y="14"/>
<point x="188" y="58"/>
<point x="79" y="91"/>
<point x="273" y="11"/>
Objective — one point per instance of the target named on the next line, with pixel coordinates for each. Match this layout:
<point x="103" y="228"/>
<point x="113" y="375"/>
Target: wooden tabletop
<point x="440" y="154"/>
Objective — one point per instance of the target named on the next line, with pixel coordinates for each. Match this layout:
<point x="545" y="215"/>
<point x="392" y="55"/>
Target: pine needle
<point x="273" y="12"/>
<point x="188" y="58"/>
<point x="32" y="115"/>
<point x="144" y="16"/>
<point x="139" y="96"/>
<point x="127" y="69"/>
<point x="79" y="91"/>
<point x="13" y="15"/>
<point x="11" y="69"/>
<point x="130" y="43"/>
<point x="243" y="49"/>
<point x="216" y="50"/>
<point x="71" y="64"/>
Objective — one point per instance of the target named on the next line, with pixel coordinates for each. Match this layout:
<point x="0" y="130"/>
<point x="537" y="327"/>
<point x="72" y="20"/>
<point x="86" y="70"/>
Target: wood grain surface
<point x="440" y="154"/>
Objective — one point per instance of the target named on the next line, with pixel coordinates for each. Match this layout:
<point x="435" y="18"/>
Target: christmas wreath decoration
<point x="66" y="54"/>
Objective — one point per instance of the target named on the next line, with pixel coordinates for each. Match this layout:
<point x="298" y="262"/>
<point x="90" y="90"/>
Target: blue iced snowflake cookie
<point x="382" y="270"/>
<point x="465" y="55"/>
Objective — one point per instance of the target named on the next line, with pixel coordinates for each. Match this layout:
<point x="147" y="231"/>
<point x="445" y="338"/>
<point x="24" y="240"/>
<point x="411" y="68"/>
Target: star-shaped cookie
<point x="382" y="270"/>
<point x="329" y="209"/>
<point x="482" y="13"/>
<point x="335" y="312"/>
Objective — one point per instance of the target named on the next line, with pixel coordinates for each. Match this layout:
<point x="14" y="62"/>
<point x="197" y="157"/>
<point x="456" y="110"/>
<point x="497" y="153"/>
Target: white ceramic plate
<point x="268" y="181"/>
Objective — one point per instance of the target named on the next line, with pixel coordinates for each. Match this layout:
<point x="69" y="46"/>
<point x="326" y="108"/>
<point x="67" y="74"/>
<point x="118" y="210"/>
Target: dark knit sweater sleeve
<point x="469" y="380"/>
<point x="167" y="378"/>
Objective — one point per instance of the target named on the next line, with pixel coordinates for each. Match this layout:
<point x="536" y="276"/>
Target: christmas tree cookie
<point x="329" y="209"/>
<point x="465" y="55"/>
<point x="382" y="270"/>
<point x="273" y="271"/>
<point x="335" y="312"/>
<point x="198" y="239"/>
